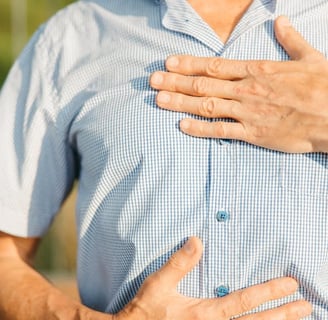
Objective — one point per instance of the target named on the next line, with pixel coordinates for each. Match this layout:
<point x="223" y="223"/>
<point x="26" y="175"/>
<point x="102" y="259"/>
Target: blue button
<point x="222" y="216"/>
<point x="221" y="291"/>
<point x="225" y="141"/>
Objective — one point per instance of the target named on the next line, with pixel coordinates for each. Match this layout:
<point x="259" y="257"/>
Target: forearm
<point x="25" y="294"/>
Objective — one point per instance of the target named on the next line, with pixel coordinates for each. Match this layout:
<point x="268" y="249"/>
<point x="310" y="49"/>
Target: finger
<point x="193" y="86"/>
<point x="179" y="264"/>
<point x="225" y="69"/>
<point x="208" y="66"/>
<point x="291" y="311"/>
<point x="293" y="42"/>
<point x="220" y="129"/>
<point x="247" y="299"/>
<point x="208" y="107"/>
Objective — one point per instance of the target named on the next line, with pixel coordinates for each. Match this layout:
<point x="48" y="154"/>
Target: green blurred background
<point x="18" y="20"/>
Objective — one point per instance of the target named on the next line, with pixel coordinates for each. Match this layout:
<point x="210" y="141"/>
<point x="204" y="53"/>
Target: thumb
<point x="181" y="262"/>
<point x="293" y="42"/>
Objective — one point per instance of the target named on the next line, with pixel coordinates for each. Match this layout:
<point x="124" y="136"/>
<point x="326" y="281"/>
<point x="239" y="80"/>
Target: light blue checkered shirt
<point x="78" y="103"/>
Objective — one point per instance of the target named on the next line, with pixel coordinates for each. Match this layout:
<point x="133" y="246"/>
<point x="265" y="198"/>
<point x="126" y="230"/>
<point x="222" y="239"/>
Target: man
<point x="77" y="103"/>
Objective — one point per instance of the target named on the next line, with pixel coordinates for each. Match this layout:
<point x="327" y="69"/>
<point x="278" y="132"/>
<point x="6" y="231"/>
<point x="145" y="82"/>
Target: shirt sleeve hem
<point x="13" y="222"/>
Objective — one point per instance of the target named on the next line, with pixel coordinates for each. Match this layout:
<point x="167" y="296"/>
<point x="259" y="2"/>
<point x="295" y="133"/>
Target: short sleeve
<point x="36" y="162"/>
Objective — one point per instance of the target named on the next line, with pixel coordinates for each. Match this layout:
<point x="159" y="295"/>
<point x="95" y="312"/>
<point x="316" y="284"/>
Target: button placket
<point x="220" y="227"/>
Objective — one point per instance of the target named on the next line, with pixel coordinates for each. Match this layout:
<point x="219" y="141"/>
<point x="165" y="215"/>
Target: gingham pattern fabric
<point x="77" y="103"/>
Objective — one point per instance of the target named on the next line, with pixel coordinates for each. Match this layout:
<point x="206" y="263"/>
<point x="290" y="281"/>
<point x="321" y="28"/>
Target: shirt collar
<point x="270" y="5"/>
<point x="178" y="16"/>
<point x="265" y="2"/>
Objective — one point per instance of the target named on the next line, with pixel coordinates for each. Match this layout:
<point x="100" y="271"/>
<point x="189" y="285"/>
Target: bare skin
<point x="270" y="101"/>
<point x="25" y="294"/>
<point x="222" y="16"/>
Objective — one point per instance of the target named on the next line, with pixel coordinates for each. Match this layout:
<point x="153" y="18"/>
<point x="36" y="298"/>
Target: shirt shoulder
<point x="58" y="55"/>
<point x="76" y="25"/>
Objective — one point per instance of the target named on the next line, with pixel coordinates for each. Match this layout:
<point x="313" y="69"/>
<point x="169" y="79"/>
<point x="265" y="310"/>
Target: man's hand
<point x="158" y="298"/>
<point x="24" y="294"/>
<point x="277" y="105"/>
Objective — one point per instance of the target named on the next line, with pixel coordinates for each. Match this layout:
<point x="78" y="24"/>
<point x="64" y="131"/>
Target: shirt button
<point x="222" y="216"/>
<point x="225" y="141"/>
<point x="221" y="291"/>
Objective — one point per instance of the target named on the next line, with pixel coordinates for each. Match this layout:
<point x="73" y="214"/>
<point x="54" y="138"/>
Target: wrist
<point x="134" y="311"/>
<point x="61" y="307"/>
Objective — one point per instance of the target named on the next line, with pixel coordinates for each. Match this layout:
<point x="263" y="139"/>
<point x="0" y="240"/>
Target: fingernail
<point x="284" y="21"/>
<point x="188" y="247"/>
<point x="163" y="97"/>
<point x="157" y="79"/>
<point x="172" y="62"/>
<point x="184" y="124"/>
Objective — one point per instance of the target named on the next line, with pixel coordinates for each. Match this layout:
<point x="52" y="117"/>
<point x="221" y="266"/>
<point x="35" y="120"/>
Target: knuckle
<point x="207" y="107"/>
<point x="246" y="301"/>
<point x="260" y="132"/>
<point x="252" y="88"/>
<point x="179" y="103"/>
<point x="200" y="85"/>
<point x="255" y="89"/>
<point x="201" y="130"/>
<point x="219" y="130"/>
<point x="214" y="66"/>
<point x="223" y="313"/>
<point x="235" y="110"/>
<point x="239" y="89"/>
<point x="275" y="290"/>
<point x="177" y="263"/>
<point x="259" y="67"/>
